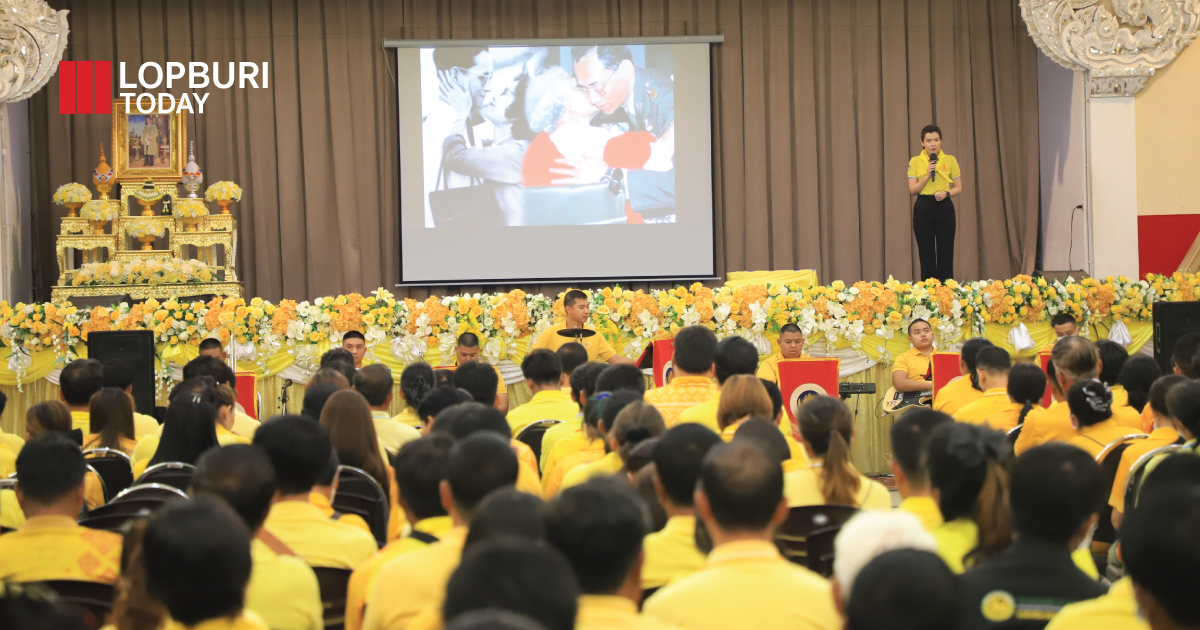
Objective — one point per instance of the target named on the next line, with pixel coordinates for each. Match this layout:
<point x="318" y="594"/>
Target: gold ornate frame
<point x="120" y="130"/>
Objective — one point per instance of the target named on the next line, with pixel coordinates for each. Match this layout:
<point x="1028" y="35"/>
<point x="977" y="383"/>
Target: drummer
<point x="575" y="310"/>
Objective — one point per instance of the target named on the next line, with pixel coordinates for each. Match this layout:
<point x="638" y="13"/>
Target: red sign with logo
<point x="1043" y="361"/>
<point x="659" y="355"/>
<point x="801" y="379"/>
<point x="945" y="369"/>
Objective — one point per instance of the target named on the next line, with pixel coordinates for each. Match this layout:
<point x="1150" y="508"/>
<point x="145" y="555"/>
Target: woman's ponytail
<point x="995" y="533"/>
<point x="826" y="424"/>
<point x="840" y="482"/>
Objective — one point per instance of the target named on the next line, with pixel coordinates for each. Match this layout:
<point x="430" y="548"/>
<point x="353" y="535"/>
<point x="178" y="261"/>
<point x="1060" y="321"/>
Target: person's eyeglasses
<point x="600" y="90"/>
<point x="482" y="77"/>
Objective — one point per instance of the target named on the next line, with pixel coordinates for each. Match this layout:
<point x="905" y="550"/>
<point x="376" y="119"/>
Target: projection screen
<point x="546" y="160"/>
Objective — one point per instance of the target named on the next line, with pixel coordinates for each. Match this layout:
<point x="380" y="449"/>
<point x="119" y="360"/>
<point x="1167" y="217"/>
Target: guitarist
<point x="913" y="370"/>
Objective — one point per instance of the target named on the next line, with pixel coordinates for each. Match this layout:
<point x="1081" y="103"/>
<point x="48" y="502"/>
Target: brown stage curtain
<point x="817" y="106"/>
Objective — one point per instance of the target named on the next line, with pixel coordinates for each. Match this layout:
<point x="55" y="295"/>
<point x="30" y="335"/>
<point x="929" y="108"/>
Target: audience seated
<point x="375" y="383"/>
<point x="636" y="422"/>
<point x="1091" y="408"/>
<point x="593" y="443"/>
<point x="1137" y="377"/>
<point x="570" y="436"/>
<point x="695" y="352"/>
<point x="76" y="384"/>
<point x="742" y="396"/>
<point x="189" y="430"/>
<point x="671" y="553"/>
<point x="965" y="389"/>
<point x="1162" y="433"/>
<point x="110" y="421"/>
<point x="282" y="589"/>
<point x="904" y="589"/>
<point x="461" y="420"/>
<point x="34" y="607"/>
<point x="329" y="375"/>
<point x="520" y="578"/>
<point x="1051" y="520"/>
<point x="120" y="374"/>
<point x="416" y="381"/>
<point x="416" y="581"/>
<point x="866" y="536"/>
<point x="994" y="408"/>
<point x="543" y="371"/>
<point x="347" y="417"/>
<point x="467" y="350"/>
<point x="441" y="398"/>
<point x="299" y="447"/>
<point x="321" y="496"/>
<point x="1072" y="360"/>
<point x="315" y="398"/>
<point x="45" y="417"/>
<point x="765" y="436"/>
<point x="508" y="515"/>
<point x="481" y="381"/>
<point x="222" y="374"/>
<point x="7" y="440"/>
<point x="1113" y="357"/>
<point x="910" y="434"/>
<point x="1026" y="389"/>
<point x="733" y="355"/>
<point x="572" y="355"/>
<point x="745" y="583"/>
<point x="50" y="545"/>
<point x="966" y="468"/>
<point x="826" y="426"/>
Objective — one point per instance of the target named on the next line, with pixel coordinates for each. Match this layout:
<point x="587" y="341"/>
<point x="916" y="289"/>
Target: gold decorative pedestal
<point x="85" y="243"/>
<point x="145" y="292"/>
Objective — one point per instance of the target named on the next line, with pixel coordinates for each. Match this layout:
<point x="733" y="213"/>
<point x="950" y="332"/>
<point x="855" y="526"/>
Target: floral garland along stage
<point x="842" y="315"/>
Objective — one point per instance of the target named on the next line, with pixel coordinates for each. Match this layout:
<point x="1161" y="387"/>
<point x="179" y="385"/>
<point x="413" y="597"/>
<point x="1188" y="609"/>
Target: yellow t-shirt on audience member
<point x="8" y="462"/>
<point x="1093" y="439"/>
<point x="57" y="548"/>
<point x="957" y="394"/>
<point x="556" y="434"/>
<point x="610" y="464"/>
<point x="413" y="582"/>
<point x="321" y="502"/>
<point x="612" y="612"/>
<point x="597" y="346"/>
<point x="993" y="409"/>
<point x="803" y="487"/>
<point x="392" y="434"/>
<point x="283" y="590"/>
<point x="746" y="584"/>
<point x="144" y="425"/>
<point x="1158" y="439"/>
<point x="671" y="552"/>
<point x="1044" y="425"/>
<point x="569" y="444"/>
<point x="681" y="394"/>
<point x="244" y="425"/>
<point x="552" y="481"/>
<point x="955" y="539"/>
<point x="92" y="441"/>
<point x="1118" y="610"/>
<point x="1123" y="413"/>
<point x="11" y="514"/>
<point x="925" y="509"/>
<point x="321" y="541"/>
<point x="13" y="442"/>
<point x="704" y="413"/>
<point x="246" y="620"/>
<point x="548" y="404"/>
<point x="81" y="420"/>
<point x="362" y="581"/>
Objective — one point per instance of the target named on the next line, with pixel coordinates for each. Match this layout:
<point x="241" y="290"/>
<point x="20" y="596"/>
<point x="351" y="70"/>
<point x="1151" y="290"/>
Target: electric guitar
<point x="896" y="402"/>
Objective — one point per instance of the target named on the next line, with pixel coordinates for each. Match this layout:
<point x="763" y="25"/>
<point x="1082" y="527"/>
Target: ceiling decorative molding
<point x="32" y="39"/>
<point x="1119" y="48"/>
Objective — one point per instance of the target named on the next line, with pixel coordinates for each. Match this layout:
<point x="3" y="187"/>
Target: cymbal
<point x="576" y="333"/>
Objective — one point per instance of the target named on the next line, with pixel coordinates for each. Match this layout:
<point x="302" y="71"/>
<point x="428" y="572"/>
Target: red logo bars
<point x="85" y="87"/>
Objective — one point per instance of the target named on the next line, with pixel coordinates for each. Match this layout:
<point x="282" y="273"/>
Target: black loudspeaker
<point x="135" y="347"/>
<point x="1171" y="321"/>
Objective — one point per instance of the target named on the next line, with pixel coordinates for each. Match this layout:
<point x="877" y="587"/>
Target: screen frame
<point x="395" y="44"/>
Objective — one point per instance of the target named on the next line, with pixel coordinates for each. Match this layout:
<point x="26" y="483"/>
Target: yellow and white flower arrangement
<point x="223" y="191"/>
<point x="142" y="272"/>
<point x="98" y="210"/>
<point x="72" y="193"/>
<point x="188" y="208"/>
<point x="145" y="227"/>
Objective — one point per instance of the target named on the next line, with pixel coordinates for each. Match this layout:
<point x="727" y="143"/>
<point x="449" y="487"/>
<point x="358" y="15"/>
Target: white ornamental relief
<point x="32" y="39"/>
<point x="1120" y="47"/>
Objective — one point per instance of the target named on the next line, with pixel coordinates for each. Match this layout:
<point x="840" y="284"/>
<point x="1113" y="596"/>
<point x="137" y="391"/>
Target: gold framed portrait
<point x="148" y="146"/>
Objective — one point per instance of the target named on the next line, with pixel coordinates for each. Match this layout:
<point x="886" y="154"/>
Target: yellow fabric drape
<point x="802" y="277"/>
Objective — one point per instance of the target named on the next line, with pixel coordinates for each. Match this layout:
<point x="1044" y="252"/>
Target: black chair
<point x="532" y="435"/>
<point x="92" y="600"/>
<point x="128" y="505"/>
<point x="1012" y="435"/>
<point x="333" y="584"/>
<point x="1109" y="459"/>
<point x="1133" y="481"/>
<point x="113" y="467"/>
<point x="174" y="474"/>
<point x="359" y="493"/>
<point x="811" y="521"/>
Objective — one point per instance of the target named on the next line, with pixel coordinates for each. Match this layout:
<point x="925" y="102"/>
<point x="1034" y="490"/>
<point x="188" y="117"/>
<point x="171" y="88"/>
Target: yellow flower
<point x="838" y="285"/>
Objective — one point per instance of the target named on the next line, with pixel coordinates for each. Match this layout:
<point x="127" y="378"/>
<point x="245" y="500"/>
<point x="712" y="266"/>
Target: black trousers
<point x="934" y="224"/>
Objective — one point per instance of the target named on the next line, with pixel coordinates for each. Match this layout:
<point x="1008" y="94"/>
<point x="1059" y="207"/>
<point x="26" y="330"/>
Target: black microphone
<point x="283" y="392"/>
<point x="933" y="159"/>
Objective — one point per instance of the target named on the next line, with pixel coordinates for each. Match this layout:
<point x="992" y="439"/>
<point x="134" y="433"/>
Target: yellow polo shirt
<point x="1124" y="414"/>
<point x="573" y="442"/>
<point x="81" y="420"/>
<point x="798" y="454"/>
<point x="362" y="581"/>
<point x="321" y="502"/>
<point x="703" y="413"/>
<point x="610" y="464"/>
<point x="283" y="590"/>
<point x="1158" y="439"/>
<point x="1043" y="425"/>
<point x="671" y="552"/>
<point x="681" y="394"/>
<point x="11" y="514"/>
<point x="8" y="462"/>
<point x="57" y="548"/>
<point x="556" y="434"/>
<point x="225" y="437"/>
<point x="244" y="425"/>
<point x="391" y="433"/>
<point x="993" y="409"/>
<point x="955" y="539"/>
<point x="322" y="542"/>
<point x="414" y="582"/>
<point x="944" y="173"/>
<point x="92" y="441"/>
<point x="925" y="509"/>
<point x="597" y="346"/>
<point x="246" y="620"/>
<point x="769" y="368"/>
<point x="803" y="487"/>
<point x="1118" y="610"/>
<point x="1093" y="439"/>
<point x="408" y="417"/>
<point x="957" y="394"/>
<point x="746" y="584"/>
<point x="612" y="612"/>
<point x="549" y="404"/>
<point x="14" y="443"/>
<point x="914" y="363"/>
<point x="552" y="481"/>
<point x="144" y="425"/>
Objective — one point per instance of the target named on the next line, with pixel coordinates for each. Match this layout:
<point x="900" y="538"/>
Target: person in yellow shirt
<point x="635" y="423"/>
<point x="1113" y="359"/>
<point x="375" y="383"/>
<point x="110" y="421"/>
<point x="968" y="483"/>
<point x="543" y="372"/>
<point x="1116" y="610"/>
<point x="1090" y="403"/>
<point x="745" y="583"/>
<point x="576" y="310"/>
<point x="50" y="545"/>
<point x="734" y="355"/>
<point x="695" y="353"/>
<point x="599" y="528"/>
<point x="77" y="382"/>
<point x="189" y="430"/>
<point x="1026" y="388"/>
<point x="469" y="418"/>
<point x="826" y="427"/>
<point x="482" y="381"/>
<point x="299" y="447"/>
<point x="321" y="496"/>
<point x="222" y="374"/>
<point x="420" y="470"/>
<point x="742" y="396"/>
<point x="1073" y="359"/>
<point x="1164" y="432"/>
<point x="903" y="588"/>
<point x="910" y="433"/>
<point x="519" y="584"/>
<point x="994" y="409"/>
<point x="671" y="552"/>
<point x="416" y="381"/>
<point x="570" y="436"/>
<point x="119" y="374"/>
<point x="913" y="369"/>
<point x="197" y="562"/>
<point x="282" y="589"/>
<point x="415" y="581"/>
<point x="964" y="389"/>
<point x="791" y="347"/>
<point x="12" y="442"/>
<point x="466" y="350"/>
<point x="934" y="177"/>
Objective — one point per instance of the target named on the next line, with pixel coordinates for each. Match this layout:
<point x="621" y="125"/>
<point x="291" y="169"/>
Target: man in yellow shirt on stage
<point x="745" y="582"/>
<point x="50" y="545"/>
<point x="994" y="408"/>
<point x="695" y="352"/>
<point x="913" y="370"/>
<point x="791" y="346"/>
<point x="416" y="581"/>
<point x="543" y="374"/>
<point x="77" y="382"/>
<point x="576" y="309"/>
<point x="909" y="435"/>
<point x="1073" y="359"/>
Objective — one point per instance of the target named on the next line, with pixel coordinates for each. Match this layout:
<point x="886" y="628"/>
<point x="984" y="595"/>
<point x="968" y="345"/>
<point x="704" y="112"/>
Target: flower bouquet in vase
<point x="71" y="196"/>
<point x="190" y="212"/>
<point x="98" y="213"/>
<point x="224" y="193"/>
<point x="145" y="231"/>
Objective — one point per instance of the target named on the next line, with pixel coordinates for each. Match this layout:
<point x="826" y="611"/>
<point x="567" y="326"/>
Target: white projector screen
<point x="526" y="161"/>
